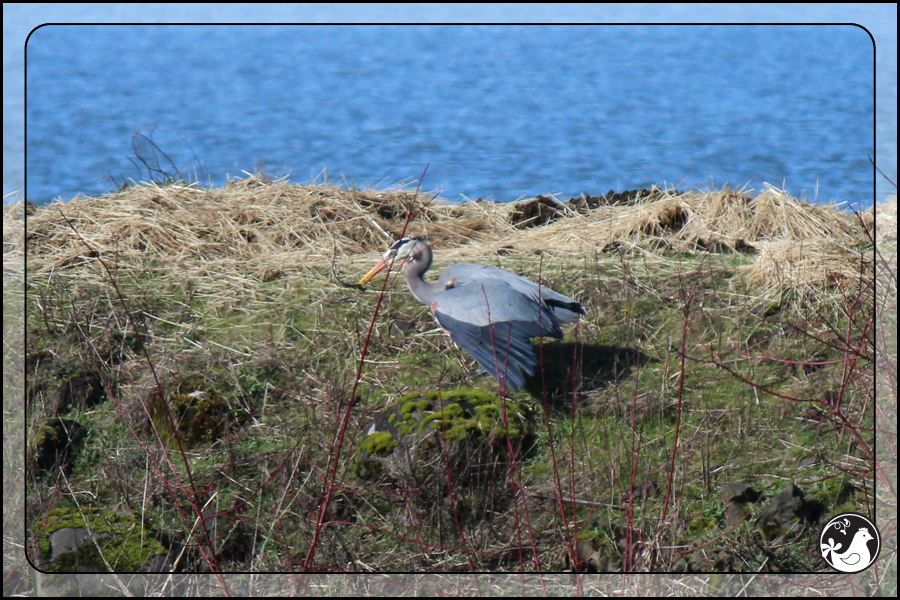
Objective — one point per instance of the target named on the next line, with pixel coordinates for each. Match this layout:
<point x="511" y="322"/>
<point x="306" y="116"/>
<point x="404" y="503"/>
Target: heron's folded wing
<point x="494" y="323"/>
<point x="565" y="309"/>
<point x="486" y="301"/>
<point x="502" y="349"/>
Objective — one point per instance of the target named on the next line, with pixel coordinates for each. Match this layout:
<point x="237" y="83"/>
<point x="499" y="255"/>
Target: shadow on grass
<point x="596" y="367"/>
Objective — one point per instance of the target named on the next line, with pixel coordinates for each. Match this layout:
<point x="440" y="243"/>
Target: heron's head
<point x="402" y="251"/>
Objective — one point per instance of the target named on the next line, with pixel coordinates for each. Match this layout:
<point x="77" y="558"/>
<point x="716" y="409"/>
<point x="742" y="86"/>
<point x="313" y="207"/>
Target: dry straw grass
<point x="882" y="220"/>
<point x="809" y="264"/>
<point x="691" y="222"/>
<point x="255" y="229"/>
<point x="251" y="230"/>
<point x="798" y="245"/>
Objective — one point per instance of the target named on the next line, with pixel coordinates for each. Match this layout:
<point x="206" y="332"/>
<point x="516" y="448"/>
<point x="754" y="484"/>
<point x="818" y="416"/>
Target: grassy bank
<point x="207" y="344"/>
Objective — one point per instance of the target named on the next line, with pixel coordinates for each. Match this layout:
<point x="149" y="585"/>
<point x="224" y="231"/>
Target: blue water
<point x="497" y="112"/>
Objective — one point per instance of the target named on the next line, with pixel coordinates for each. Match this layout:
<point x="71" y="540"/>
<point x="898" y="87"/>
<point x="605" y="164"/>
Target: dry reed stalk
<point x="777" y="216"/>
<point x="251" y="228"/>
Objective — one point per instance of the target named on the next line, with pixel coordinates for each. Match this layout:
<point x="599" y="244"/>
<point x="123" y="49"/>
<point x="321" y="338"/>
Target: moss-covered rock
<point x="465" y="433"/>
<point x="379" y="443"/>
<point x="201" y="416"/>
<point x="786" y="513"/>
<point x="458" y="414"/>
<point x="68" y="541"/>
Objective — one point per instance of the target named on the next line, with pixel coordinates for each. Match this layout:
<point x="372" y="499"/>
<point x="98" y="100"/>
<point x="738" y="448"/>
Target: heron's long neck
<point x="415" y="271"/>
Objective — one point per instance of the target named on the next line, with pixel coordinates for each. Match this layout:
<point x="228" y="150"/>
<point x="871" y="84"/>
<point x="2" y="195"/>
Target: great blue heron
<point x="489" y="312"/>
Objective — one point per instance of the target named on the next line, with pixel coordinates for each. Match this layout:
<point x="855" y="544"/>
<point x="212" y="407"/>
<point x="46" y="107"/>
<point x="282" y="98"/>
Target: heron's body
<point x="489" y="312"/>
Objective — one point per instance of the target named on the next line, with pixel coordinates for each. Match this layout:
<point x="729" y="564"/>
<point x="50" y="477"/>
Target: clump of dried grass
<point x="809" y="264"/>
<point x="689" y="222"/>
<point x="881" y="220"/>
<point x="798" y="244"/>
<point x="776" y="216"/>
<point x="583" y="234"/>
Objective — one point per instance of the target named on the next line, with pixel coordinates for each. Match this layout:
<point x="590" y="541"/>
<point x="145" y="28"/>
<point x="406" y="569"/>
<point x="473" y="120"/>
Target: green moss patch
<point x="117" y="534"/>
<point x="456" y="415"/>
<point x="380" y="443"/>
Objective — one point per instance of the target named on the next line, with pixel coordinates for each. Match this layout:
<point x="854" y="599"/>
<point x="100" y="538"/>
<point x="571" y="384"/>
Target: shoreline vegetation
<point x="198" y="369"/>
<point x="261" y="226"/>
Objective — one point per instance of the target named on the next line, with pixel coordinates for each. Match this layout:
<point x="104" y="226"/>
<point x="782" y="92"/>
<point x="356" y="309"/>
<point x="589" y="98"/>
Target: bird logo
<point x="847" y="543"/>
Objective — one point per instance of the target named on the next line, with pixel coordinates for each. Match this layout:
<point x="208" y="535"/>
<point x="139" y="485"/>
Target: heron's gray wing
<point x="506" y="356"/>
<point x="494" y="323"/>
<point x="565" y="309"/>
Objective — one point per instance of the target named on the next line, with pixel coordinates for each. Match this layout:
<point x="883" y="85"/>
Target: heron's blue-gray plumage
<point x="564" y="309"/>
<point x="490" y="313"/>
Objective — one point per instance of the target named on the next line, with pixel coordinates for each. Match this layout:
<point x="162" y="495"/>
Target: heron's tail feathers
<point x="567" y="312"/>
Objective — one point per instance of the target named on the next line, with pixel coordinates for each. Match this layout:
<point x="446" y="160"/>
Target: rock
<point x="738" y="492"/>
<point x="734" y="514"/>
<point x="587" y="557"/>
<point x="424" y="439"/>
<point x="68" y="539"/>
<point x="723" y="561"/>
<point x="230" y="538"/>
<point x="537" y="211"/>
<point x="809" y="461"/>
<point x="201" y="416"/>
<point x="585" y="202"/>
<point x="402" y="327"/>
<point x="786" y="513"/>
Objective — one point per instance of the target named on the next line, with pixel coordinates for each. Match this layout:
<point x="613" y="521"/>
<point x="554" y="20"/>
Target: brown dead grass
<point x="255" y="229"/>
<point x="809" y="265"/>
<point x="228" y="238"/>
<point x="257" y="225"/>
<point x="882" y="219"/>
<point x="691" y="222"/>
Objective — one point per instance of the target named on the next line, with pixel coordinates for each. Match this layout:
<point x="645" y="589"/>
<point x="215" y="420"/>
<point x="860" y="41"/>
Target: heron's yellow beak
<point x="375" y="270"/>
